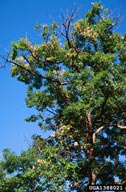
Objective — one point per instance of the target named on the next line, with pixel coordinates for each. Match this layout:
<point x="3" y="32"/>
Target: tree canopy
<point x="76" y="81"/>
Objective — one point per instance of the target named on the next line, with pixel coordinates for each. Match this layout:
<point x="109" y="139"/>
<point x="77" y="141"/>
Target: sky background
<point x="17" y="19"/>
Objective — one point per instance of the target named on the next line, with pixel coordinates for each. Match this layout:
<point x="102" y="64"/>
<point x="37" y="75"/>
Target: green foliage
<point x="78" y="88"/>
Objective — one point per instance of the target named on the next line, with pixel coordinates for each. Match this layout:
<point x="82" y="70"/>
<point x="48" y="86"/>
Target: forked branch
<point x="66" y="23"/>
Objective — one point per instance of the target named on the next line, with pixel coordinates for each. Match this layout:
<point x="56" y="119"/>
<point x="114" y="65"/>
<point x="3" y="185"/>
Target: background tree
<point x="76" y="81"/>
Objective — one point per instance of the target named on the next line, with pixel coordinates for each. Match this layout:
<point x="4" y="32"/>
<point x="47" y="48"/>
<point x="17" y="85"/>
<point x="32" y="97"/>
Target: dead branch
<point x="66" y="23"/>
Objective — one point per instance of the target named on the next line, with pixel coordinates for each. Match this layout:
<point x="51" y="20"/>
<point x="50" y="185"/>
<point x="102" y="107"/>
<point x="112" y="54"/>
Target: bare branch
<point x="66" y="23"/>
<point x="26" y="59"/>
<point x="104" y="126"/>
<point x="121" y="126"/>
<point x="98" y="130"/>
<point x="51" y="111"/>
<point x="88" y="121"/>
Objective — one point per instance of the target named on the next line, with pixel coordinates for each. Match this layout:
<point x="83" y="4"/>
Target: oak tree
<point x="76" y="81"/>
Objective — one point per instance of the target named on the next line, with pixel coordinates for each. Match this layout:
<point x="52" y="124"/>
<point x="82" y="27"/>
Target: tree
<point x="76" y="81"/>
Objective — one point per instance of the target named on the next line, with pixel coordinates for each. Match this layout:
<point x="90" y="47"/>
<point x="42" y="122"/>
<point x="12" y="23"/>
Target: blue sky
<point x="18" y="18"/>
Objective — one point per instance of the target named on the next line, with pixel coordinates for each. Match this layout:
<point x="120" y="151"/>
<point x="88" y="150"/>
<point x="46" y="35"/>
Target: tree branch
<point x="43" y="61"/>
<point x="104" y="126"/>
<point x="35" y="73"/>
<point x="121" y="126"/>
<point x="101" y="169"/>
<point x="66" y="25"/>
<point x="51" y="111"/>
<point x="98" y="130"/>
<point x="88" y="121"/>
